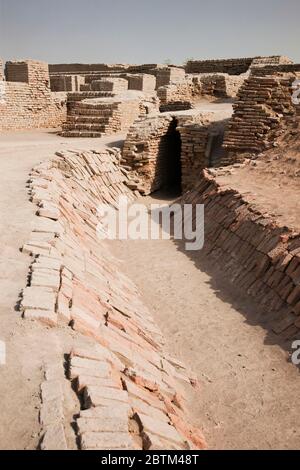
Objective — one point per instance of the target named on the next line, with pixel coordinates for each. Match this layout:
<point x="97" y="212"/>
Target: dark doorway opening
<point x="168" y="165"/>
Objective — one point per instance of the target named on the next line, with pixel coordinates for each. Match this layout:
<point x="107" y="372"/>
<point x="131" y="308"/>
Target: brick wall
<point x="115" y="85"/>
<point x="168" y="75"/>
<point x="262" y="107"/>
<point x="30" y="104"/>
<point x="142" y="82"/>
<point x="234" y="66"/>
<point x="230" y="66"/>
<point x="78" y="68"/>
<point x="66" y="82"/>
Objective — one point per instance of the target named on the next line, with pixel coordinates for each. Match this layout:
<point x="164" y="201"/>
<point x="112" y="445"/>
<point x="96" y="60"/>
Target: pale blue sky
<point x="140" y="31"/>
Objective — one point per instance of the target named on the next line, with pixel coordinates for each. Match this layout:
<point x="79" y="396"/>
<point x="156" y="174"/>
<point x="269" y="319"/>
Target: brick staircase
<point x="90" y="120"/>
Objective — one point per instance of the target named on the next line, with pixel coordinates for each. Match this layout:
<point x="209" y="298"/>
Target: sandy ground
<point x="249" y="392"/>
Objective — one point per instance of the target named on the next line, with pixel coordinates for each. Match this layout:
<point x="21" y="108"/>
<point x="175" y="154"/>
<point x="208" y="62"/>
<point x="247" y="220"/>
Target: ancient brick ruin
<point x="26" y="98"/>
<point x="179" y="128"/>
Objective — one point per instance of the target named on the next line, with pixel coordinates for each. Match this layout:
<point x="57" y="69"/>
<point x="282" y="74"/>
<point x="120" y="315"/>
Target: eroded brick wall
<point x="126" y="383"/>
<point x="27" y="101"/>
<point x="264" y="104"/>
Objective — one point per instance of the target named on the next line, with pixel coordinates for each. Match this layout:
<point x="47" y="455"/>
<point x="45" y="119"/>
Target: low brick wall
<point x="127" y="385"/>
<point x="264" y="104"/>
<point x="27" y="101"/>
<point x="230" y="66"/>
<point x="258" y="256"/>
<point x="233" y="66"/>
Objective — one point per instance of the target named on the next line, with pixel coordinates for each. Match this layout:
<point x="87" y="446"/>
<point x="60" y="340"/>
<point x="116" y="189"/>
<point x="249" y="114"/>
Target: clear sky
<point x="141" y="31"/>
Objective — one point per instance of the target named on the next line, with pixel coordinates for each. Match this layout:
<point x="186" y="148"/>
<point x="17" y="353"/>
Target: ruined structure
<point x="104" y="116"/>
<point x="115" y="385"/>
<point x="26" y="101"/>
<point x="127" y="385"/>
<point x="263" y="110"/>
<point x="170" y="150"/>
<point x="233" y="66"/>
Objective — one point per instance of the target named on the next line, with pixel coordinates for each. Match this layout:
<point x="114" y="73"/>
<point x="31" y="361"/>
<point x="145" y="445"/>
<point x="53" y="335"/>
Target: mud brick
<point x="142" y="394"/>
<point x="88" y="381"/>
<point x="295" y="275"/>
<point x="293" y="265"/>
<point x="296" y="311"/>
<point x="102" y="425"/>
<point x="161" y="429"/>
<point x="275" y="279"/>
<point x="47" y="317"/>
<point x="269" y="244"/>
<point x="52" y="412"/>
<point x="294" y="297"/>
<point x="141" y="406"/>
<point x="98" y="353"/>
<point x="54" y="438"/>
<point x="284" y="262"/>
<point x="286" y="321"/>
<point x="284" y="283"/>
<point x="63" y="309"/>
<point x="107" y="441"/>
<point x="123" y="411"/>
<point x="94" y="396"/>
<point x="46" y="262"/>
<point x="51" y="390"/>
<point x="40" y="278"/>
<point x="38" y="298"/>
<point x="90" y="367"/>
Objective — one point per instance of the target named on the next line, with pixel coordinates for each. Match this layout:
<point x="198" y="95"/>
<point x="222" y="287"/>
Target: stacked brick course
<point x="113" y="85"/>
<point x="263" y="103"/>
<point x="230" y="66"/>
<point x="96" y="117"/>
<point x="127" y="385"/>
<point x="27" y="101"/>
<point x="233" y="66"/>
<point x="168" y="75"/>
<point x="66" y="82"/>
<point x="142" y="82"/>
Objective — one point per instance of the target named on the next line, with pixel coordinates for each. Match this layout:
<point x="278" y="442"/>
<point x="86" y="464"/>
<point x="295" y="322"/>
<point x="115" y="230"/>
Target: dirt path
<point x="28" y="345"/>
<point x="249" y="396"/>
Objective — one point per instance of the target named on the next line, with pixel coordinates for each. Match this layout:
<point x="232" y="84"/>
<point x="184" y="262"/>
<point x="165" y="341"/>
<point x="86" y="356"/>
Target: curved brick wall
<point x="128" y="387"/>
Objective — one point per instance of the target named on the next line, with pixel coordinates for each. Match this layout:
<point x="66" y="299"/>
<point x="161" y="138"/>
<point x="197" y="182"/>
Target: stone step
<point x="84" y="127"/>
<point x="98" y="112"/>
<point x="76" y="133"/>
<point x="75" y="119"/>
<point x="83" y="95"/>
